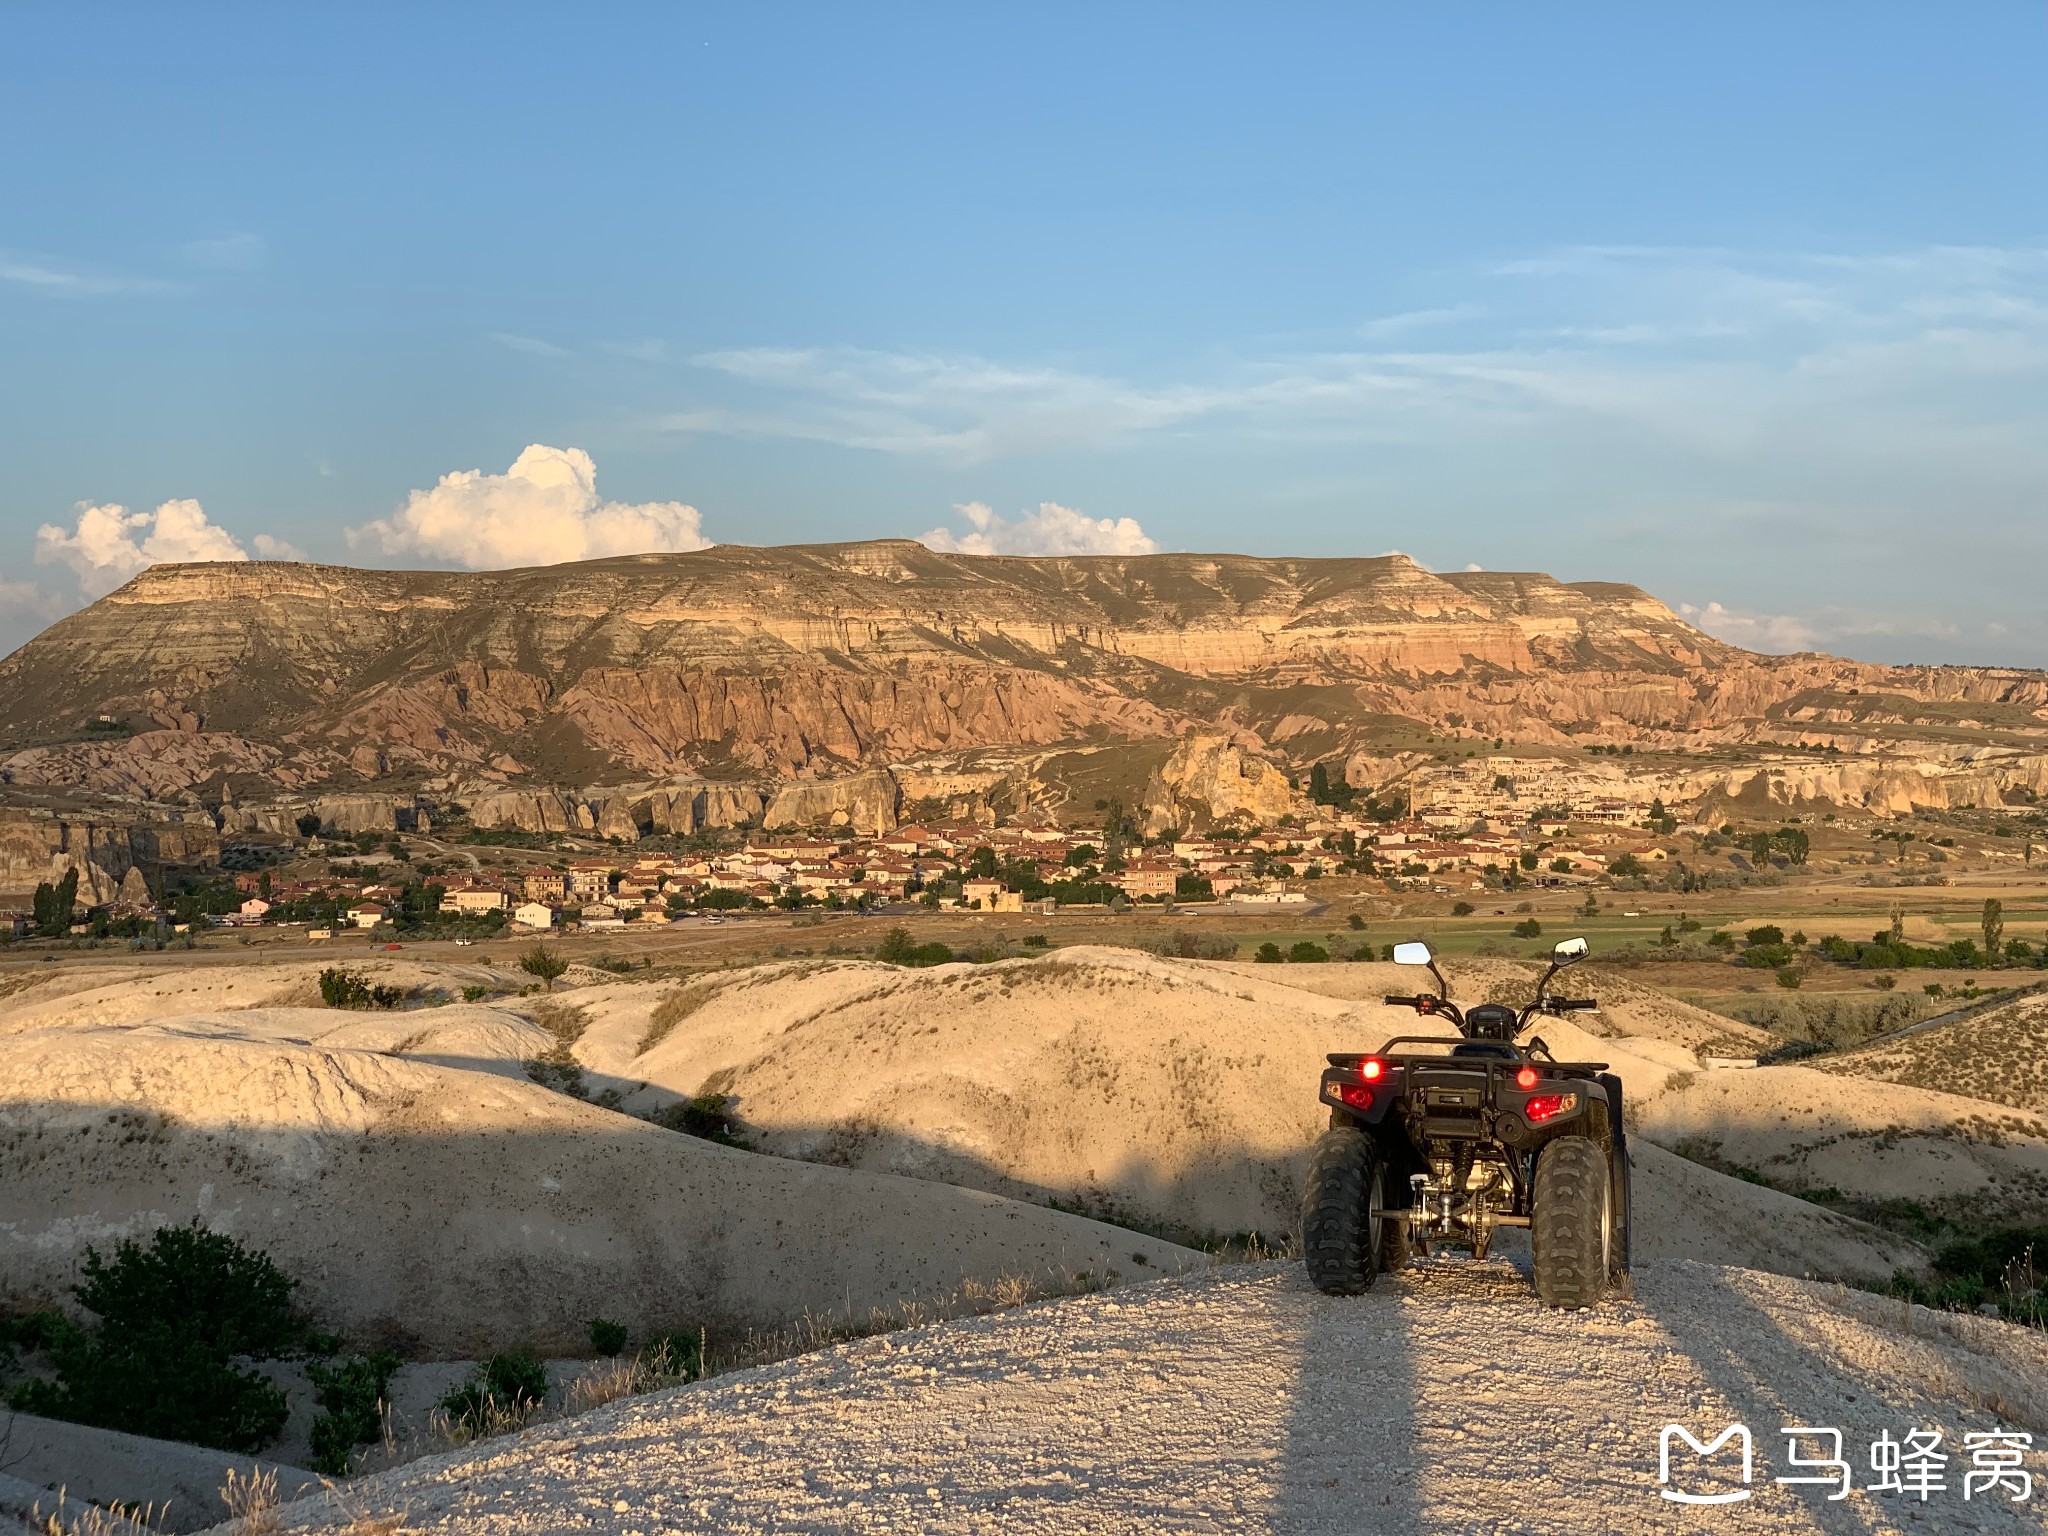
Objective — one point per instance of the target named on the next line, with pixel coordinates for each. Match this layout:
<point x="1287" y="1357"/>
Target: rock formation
<point x="1210" y="778"/>
<point x="667" y="692"/>
<point x="113" y="850"/>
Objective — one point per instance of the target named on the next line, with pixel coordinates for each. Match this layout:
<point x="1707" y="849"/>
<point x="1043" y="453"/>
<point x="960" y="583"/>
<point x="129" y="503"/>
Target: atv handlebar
<point x="1571" y="1004"/>
<point x="1427" y="1002"/>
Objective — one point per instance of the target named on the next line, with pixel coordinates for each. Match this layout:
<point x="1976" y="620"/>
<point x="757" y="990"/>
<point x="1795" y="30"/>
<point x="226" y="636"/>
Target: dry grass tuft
<point x="678" y="1006"/>
<point x="565" y="1021"/>
<point x="93" y="1521"/>
<point x="251" y="1499"/>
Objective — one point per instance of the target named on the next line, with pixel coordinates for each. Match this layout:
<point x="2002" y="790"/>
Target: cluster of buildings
<point x="1461" y="838"/>
<point x="1471" y="830"/>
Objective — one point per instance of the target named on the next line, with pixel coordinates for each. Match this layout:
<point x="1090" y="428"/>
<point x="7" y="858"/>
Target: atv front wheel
<point x="1571" y="1224"/>
<point x="1343" y="1213"/>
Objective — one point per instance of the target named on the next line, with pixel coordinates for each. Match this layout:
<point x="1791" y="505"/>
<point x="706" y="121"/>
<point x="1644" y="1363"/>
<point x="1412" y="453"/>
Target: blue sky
<point x="1748" y="304"/>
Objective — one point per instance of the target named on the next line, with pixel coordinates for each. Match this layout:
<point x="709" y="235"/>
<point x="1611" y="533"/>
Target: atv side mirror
<point x="1568" y="950"/>
<point x="1412" y="954"/>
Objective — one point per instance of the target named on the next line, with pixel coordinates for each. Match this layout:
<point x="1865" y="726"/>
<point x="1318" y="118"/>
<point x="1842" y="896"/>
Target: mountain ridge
<point x="777" y="664"/>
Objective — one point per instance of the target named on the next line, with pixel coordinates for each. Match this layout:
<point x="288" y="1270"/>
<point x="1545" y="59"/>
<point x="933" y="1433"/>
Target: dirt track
<point x="1240" y="1400"/>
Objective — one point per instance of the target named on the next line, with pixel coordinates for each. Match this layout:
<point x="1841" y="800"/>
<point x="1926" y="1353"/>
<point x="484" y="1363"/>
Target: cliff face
<point x="114" y="854"/>
<point x="786" y="667"/>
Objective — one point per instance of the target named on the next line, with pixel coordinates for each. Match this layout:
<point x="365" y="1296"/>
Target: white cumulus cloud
<point x="1050" y="530"/>
<point x="109" y="544"/>
<point x="544" y="510"/>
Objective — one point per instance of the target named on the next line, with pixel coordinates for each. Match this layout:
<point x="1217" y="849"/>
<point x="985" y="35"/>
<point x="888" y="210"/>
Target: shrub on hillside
<point x="679" y="1354"/>
<point x="708" y="1115"/>
<point x="1268" y="954"/>
<point x="1183" y="945"/>
<point x="506" y="1388"/>
<point x="2005" y="1266"/>
<point x="345" y="989"/>
<point x="607" y="1338"/>
<point x="898" y="948"/>
<point x="1306" y="952"/>
<point x="351" y="1396"/>
<point x="171" y="1318"/>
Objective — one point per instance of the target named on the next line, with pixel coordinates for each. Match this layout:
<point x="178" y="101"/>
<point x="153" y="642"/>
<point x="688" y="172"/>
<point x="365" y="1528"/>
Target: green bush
<point x="345" y="989"/>
<point x="2002" y="1265"/>
<point x="1527" y="928"/>
<point x="352" y="1396"/>
<point x="170" y="1318"/>
<point x="708" y="1115"/>
<point x="1307" y="953"/>
<point x="475" y="994"/>
<point x="1788" y="977"/>
<point x="511" y="1384"/>
<point x="1184" y="945"/>
<point x="897" y="948"/>
<point x="606" y="1338"/>
<point x="1268" y="954"/>
<point x="1770" y="933"/>
<point x="679" y="1353"/>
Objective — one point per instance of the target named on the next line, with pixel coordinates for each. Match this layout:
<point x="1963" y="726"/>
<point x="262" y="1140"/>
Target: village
<point x="1029" y="866"/>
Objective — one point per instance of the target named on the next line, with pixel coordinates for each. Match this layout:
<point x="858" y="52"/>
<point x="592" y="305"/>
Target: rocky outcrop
<point x="1209" y="778"/>
<point x="117" y="854"/>
<point x="864" y="803"/>
<point x="152" y="765"/>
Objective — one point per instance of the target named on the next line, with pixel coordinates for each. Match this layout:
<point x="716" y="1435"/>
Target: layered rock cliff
<point x="777" y="682"/>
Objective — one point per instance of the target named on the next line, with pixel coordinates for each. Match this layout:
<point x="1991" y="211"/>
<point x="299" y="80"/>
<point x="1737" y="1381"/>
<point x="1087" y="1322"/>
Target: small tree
<point x="171" y="1319"/>
<point x="543" y="964"/>
<point x="54" y="904"/>
<point x="1993" y="924"/>
<point x="308" y="824"/>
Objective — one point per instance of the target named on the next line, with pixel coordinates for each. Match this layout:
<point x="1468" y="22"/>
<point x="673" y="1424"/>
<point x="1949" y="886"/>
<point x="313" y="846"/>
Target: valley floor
<point x="1241" y="1400"/>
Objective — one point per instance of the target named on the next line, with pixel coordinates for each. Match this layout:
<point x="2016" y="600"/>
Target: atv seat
<point x="1500" y="1050"/>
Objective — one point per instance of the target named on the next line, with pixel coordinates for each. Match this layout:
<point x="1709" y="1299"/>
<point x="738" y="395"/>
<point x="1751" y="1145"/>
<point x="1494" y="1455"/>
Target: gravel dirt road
<point x="1241" y="1400"/>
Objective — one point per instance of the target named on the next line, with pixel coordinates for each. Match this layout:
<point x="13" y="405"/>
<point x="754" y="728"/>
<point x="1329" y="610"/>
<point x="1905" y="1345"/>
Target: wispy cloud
<point x="63" y="279"/>
<point x="1699" y="351"/>
<point x="1420" y="320"/>
<point x="532" y="345"/>
<point x="961" y="408"/>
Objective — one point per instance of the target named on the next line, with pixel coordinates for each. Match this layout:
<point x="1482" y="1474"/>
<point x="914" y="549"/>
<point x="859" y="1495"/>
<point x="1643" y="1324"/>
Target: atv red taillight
<point x="1372" y="1069"/>
<point x="1355" y="1095"/>
<point x="1526" y="1078"/>
<point x="1548" y="1106"/>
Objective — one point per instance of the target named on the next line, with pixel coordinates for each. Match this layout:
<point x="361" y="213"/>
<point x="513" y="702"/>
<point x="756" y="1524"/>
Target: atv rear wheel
<point x="1343" y="1220"/>
<point x="1571" y="1224"/>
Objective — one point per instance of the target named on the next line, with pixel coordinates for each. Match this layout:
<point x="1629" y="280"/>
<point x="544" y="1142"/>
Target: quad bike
<point x="1439" y="1141"/>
